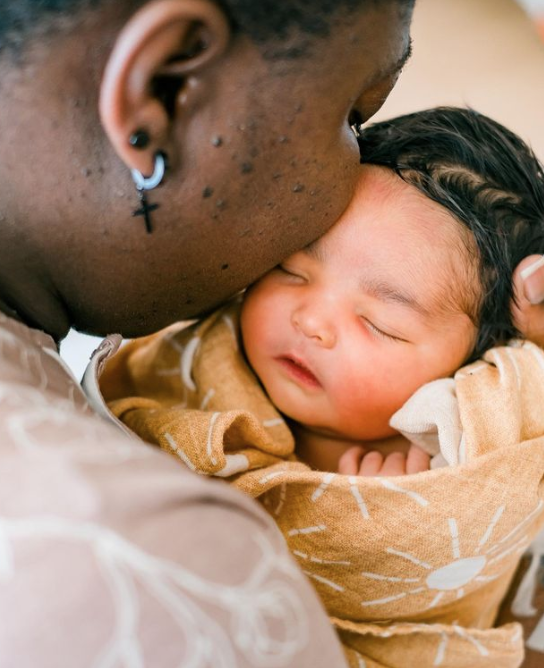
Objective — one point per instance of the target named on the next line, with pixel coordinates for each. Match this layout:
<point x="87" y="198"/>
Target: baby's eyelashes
<point x="376" y="331"/>
<point x="291" y="272"/>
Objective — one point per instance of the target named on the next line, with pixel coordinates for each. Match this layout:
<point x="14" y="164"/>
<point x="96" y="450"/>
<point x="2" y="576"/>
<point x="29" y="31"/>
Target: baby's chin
<point x="354" y="436"/>
<point x="312" y="418"/>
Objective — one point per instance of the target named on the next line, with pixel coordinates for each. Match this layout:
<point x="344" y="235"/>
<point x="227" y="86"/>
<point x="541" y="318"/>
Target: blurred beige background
<point x="483" y="53"/>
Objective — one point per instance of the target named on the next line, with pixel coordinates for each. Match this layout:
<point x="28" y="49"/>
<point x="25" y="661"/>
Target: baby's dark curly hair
<point x="491" y="182"/>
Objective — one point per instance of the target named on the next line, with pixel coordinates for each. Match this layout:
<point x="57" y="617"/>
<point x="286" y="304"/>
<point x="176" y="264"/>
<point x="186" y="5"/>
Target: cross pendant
<point x="145" y="210"/>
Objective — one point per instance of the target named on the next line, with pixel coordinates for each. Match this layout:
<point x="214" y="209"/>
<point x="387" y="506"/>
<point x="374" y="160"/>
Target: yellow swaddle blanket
<point x="411" y="569"/>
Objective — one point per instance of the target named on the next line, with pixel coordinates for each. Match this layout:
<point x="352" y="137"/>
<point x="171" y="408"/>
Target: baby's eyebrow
<point x="378" y="288"/>
<point x="386" y="292"/>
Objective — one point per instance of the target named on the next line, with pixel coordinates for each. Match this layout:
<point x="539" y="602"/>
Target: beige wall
<point x="482" y="53"/>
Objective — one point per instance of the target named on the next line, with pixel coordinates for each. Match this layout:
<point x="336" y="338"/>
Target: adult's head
<point x="489" y="180"/>
<point x="252" y="103"/>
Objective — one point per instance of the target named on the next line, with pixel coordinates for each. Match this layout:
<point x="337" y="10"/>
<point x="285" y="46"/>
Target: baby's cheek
<point x="364" y="410"/>
<point x="352" y="401"/>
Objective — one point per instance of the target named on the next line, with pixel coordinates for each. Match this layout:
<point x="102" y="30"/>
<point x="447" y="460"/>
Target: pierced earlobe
<point x="139" y="139"/>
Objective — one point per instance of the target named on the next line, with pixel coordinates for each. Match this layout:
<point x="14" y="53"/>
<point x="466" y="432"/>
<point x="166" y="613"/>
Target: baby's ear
<point x="528" y="309"/>
<point x="152" y="77"/>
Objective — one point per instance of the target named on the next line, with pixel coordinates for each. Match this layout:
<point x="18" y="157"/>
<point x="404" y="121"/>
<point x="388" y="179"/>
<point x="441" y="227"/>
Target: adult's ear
<point x="153" y="74"/>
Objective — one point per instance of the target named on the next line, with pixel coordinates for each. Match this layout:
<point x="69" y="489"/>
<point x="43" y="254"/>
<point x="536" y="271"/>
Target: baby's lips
<point x="301" y="365"/>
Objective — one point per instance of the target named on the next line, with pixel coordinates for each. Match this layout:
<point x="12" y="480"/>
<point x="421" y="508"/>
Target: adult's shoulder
<point x="112" y="551"/>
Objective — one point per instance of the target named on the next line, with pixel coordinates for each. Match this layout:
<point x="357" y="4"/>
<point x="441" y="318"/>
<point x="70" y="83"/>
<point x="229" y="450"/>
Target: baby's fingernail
<point x="533" y="281"/>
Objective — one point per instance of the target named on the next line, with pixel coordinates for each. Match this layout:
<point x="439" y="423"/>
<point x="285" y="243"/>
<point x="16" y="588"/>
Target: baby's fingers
<point x="394" y="464"/>
<point x="371" y="464"/>
<point x="349" y="462"/>
<point x="417" y="460"/>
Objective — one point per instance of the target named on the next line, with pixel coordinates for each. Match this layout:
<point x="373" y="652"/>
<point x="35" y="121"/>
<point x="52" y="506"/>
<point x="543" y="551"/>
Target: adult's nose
<point x="315" y="323"/>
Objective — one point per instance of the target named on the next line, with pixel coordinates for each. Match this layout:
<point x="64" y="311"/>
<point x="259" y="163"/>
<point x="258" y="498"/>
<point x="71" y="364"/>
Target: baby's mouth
<point x="298" y="370"/>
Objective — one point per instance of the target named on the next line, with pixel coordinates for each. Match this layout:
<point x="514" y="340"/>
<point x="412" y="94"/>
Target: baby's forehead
<point x="403" y="237"/>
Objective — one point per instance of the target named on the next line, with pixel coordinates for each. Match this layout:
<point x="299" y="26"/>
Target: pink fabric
<point x="113" y="555"/>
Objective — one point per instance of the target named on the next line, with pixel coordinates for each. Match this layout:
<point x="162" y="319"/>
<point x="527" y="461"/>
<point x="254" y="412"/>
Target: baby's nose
<point x="315" y="324"/>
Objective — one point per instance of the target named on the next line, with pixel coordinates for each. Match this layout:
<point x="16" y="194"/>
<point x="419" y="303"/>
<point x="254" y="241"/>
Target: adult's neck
<point x="27" y="292"/>
<point x="35" y="310"/>
<point x="30" y="204"/>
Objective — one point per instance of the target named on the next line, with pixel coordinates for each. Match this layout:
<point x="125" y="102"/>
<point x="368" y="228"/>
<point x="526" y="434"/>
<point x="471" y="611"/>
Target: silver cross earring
<point x="139" y="140"/>
<point x="143" y="184"/>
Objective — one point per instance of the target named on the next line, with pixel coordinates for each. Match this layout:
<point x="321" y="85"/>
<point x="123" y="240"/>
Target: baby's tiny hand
<point x="358" y="461"/>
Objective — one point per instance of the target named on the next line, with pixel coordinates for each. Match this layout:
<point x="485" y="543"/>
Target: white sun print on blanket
<point x="443" y="642"/>
<point x="450" y="579"/>
<point x="453" y="576"/>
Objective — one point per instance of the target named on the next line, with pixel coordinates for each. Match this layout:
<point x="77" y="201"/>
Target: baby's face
<point x="343" y="332"/>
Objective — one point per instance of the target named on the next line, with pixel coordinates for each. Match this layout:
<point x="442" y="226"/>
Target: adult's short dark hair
<point x="262" y="20"/>
<point x="487" y="178"/>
